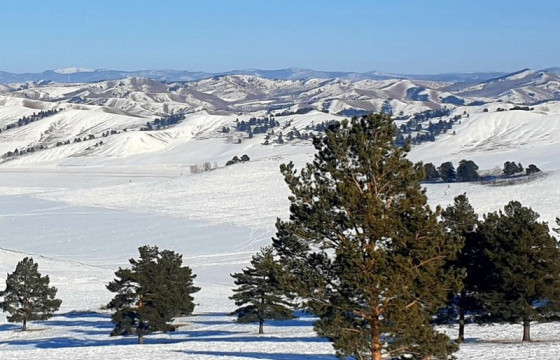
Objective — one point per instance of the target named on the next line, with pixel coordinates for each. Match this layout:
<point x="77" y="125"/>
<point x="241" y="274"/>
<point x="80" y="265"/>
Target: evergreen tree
<point x="523" y="266"/>
<point x="260" y="294"/>
<point x="149" y="295"/>
<point x="532" y="169"/>
<point x="511" y="168"/>
<point x="462" y="222"/>
<point x="27" y="295"/>
<point x="430" y="172"/>
<point x="366" y="252"/>
<point x="467" y="171"/>
<point x="447" y="171"/>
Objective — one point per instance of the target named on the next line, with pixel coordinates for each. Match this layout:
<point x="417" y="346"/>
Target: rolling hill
<point x="98" y="183"/>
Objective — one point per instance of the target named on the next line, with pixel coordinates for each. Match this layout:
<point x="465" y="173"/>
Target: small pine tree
<point x="260" y="293"/>
<point x="148" y="296"/>
<point x="523" y="266"/>
<point x="27" y="295"/>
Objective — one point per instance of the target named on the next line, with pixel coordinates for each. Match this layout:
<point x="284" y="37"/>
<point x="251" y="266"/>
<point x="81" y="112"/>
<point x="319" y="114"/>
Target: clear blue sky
<point x="401" y="36"/>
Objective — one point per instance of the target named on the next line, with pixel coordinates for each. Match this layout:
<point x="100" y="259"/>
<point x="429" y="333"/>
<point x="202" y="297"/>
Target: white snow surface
<point x="83" y="213"/>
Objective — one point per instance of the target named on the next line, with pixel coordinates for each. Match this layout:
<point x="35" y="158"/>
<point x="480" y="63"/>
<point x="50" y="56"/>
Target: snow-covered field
<point x="82" y="217"/>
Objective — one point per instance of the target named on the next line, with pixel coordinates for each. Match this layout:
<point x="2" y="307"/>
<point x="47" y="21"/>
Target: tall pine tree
<point x="28" y="295"/>
<point x="523" y="271"/>
<point x="366" y="251"/>
<point x="260" y="293"/>
<point x="149" y="295"/>
<point x="462" y="222"/>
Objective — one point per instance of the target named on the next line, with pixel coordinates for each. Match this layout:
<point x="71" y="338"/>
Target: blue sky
<point x="400" y="36"/>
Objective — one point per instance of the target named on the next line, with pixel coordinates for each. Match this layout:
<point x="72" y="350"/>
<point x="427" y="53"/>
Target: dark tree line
<point x="414" y="124"/>
<point x="468" y="171"/>
<point x="25" y="120"/>
<point x="163" y="122"/>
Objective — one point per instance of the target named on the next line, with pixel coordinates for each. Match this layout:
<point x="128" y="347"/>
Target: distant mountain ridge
<point x="80" y="75"/>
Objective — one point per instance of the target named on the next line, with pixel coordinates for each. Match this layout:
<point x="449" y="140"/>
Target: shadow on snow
<point x="93" y="329"/>
<point x="260" y="355"/>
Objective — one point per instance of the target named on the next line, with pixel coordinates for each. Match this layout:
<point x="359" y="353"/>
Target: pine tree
<point x="430" y="172"/>
<point x="260" y="293"/>
<point x="447" y="171"/>
<point x="523" y="272"/>
<point x="467" y="171"/>
<point x="27" y="295"/>
<point x="149" y="295"/>
<point x="462" y="222"/>
<point x="366" y="252"/>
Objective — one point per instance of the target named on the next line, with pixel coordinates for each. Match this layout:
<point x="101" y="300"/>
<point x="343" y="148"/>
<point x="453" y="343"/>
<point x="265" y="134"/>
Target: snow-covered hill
<point x="98" y="184"/>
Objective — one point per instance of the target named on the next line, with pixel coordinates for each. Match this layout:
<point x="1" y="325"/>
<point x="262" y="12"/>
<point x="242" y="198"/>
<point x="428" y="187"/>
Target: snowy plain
<point x="83" y="216"/>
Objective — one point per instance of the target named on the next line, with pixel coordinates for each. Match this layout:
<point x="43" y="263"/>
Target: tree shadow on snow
<point x="89" y="320"/>
<point x="242" y="336"/>
<point x="93" y="329"/>
<point x="260" y="355"/>
<point x="8" y="327"/>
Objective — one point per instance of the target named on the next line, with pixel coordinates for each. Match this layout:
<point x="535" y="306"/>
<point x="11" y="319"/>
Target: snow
<point x="83" y="213"/>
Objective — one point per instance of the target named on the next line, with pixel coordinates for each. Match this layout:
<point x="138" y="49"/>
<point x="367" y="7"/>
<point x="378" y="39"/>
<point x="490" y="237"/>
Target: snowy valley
<point x="91" y="171"/>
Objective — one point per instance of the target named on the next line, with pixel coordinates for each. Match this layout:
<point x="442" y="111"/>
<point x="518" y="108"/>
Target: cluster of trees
<point x="236" y="160"/>
<point x="163" y="122"/>
<point x="512" y="169"/>
<point x="156" y="289"/>
<point x="510" y="265"/>
<point x="253" y="126"/>
<point x="28" y="150"/>
<point x="468" y="171"/>
<point x="31" y="118"/>
<point x="517" y="107"/>
<point x="365" y="253"/>
<point x="33" y="149"/>
<point x="413" y="131"/>
<point x="312" y="130"/>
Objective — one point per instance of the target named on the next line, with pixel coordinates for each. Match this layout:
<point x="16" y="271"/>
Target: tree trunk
<point x="24" y="326"/>
<point x="375" y="341"/>
<point x="461" y="337"/>
<point x="140" y="339"/>
<point x="526" y="330"/>
<point x="261" y="322"/>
